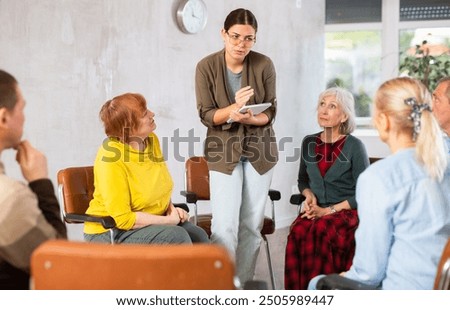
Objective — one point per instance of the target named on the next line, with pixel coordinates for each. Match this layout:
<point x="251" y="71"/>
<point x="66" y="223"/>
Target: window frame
<point x="390" y="27"/>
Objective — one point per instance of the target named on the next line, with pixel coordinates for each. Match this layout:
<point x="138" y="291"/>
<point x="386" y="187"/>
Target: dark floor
<point x="277" y="244"/>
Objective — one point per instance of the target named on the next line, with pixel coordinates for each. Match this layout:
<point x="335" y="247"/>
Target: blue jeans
<point x="185" y="233"/>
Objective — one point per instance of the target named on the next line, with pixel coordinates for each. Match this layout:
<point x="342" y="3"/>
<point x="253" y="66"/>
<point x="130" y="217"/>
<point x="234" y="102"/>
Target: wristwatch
<point x="333" y="210"/>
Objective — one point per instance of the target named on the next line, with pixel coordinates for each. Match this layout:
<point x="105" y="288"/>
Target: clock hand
<point x="194" y="15"/>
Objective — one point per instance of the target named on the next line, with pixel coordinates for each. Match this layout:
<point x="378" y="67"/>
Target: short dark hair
<point x="8" y="90"/>
<point x="240" y="17"/>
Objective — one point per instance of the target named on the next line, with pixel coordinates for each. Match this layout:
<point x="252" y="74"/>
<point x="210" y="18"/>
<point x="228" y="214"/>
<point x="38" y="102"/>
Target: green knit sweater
<point x="339" y="183"/>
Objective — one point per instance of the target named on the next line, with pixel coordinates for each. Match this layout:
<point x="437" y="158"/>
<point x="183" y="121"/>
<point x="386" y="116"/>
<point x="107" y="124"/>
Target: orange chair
<point x="197" y="189"/>
<point x="71" y="265"/>
<point x="442" y="281"/>
<point x="75" y="191"/>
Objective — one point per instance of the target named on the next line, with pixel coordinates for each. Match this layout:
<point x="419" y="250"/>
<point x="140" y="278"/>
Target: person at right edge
<point x="441" y="107"/>
<point x="241" y="155"/>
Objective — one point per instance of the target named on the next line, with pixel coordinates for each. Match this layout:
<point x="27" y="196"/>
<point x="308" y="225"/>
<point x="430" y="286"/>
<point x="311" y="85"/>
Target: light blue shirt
<point x="404" y="224"/>
<point x="447" y="139"/>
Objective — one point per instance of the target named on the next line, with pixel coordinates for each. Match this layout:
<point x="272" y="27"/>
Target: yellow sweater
<point x="127" y="181"/>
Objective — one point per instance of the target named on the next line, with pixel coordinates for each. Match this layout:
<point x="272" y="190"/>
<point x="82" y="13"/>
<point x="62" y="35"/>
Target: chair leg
<point x="111" y="232"/>
<point x="269" y="262"/>
<point x="444" y="281"/>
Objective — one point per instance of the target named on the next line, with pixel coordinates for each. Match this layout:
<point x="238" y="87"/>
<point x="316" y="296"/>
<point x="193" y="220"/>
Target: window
<point x="352" y="11"/>
<point x="424" y="10"/>
<point x="365" y="41"/>
<point x="353" y="60"/>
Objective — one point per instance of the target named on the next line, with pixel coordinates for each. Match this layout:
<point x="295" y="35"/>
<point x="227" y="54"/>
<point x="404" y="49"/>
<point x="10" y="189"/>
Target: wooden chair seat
<point x="71" y="265"/>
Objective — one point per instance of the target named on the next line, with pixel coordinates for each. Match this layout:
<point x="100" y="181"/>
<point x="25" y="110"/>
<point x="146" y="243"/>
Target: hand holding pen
<point x="242" y="97"/>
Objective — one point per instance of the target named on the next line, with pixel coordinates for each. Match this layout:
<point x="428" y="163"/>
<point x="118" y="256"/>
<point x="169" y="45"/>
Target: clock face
<point x="192" y="16"/>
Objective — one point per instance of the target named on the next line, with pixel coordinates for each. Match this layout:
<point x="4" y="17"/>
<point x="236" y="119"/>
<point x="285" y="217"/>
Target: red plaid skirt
<point x="321" y="246"/>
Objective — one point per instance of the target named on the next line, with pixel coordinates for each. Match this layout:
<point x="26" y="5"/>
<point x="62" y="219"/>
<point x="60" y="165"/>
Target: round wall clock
<point x="192" y="16"/>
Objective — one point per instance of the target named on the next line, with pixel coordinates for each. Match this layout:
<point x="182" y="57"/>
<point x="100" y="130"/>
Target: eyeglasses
<point x="235" y="39"/>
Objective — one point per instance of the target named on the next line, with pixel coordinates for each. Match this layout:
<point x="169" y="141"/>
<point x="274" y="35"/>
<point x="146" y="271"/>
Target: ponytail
<point x="430" y="148"/>
<point x="407" y="101"/>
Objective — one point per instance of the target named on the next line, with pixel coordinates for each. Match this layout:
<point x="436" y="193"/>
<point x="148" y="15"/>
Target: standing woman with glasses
<point x="240" y="148"/>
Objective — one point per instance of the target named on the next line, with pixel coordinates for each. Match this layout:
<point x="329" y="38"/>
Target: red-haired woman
<point x="132" y="182"/>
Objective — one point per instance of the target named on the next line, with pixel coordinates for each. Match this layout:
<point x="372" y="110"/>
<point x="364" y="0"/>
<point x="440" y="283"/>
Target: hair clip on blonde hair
<point x="416" y="114"/>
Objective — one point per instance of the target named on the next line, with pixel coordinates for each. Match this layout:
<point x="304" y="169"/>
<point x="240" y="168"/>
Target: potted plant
<point x="424" y="66"/>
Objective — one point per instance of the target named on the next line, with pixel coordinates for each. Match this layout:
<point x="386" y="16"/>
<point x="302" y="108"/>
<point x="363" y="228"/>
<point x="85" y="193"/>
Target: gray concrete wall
<point x="70" y="56"/>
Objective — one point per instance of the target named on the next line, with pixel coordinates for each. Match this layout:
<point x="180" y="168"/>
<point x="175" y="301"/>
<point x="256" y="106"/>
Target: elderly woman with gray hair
<point x="321" y="239"/>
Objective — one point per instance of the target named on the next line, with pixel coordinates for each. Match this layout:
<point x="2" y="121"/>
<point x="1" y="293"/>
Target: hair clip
<point x="416" y="114"/>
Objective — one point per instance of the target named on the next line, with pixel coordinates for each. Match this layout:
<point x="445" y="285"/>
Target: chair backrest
<point x="374" y="159"/>
<point x="62" y="264"/>
<point x="442" y="281"/>
<point x="197" y="177"/>
<point x="76" y="188"/>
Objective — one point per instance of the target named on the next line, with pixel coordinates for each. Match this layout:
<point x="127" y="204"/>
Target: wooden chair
<point x="71" y="265"/>
<point x="374" y="159"/>
<point x="442" y="281"/>
<point x="197" y="189"/>
<point x="75" y="191"/>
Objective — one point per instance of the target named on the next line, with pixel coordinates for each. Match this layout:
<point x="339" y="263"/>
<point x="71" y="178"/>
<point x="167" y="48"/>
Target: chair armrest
<point x="337" y="282"/>
<point x="274" y="195"/>
<point x="182" y="206"/>
<point x="191" y="197"/>
<point x="297" y="199"/>
<point x="106" y="221"/>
